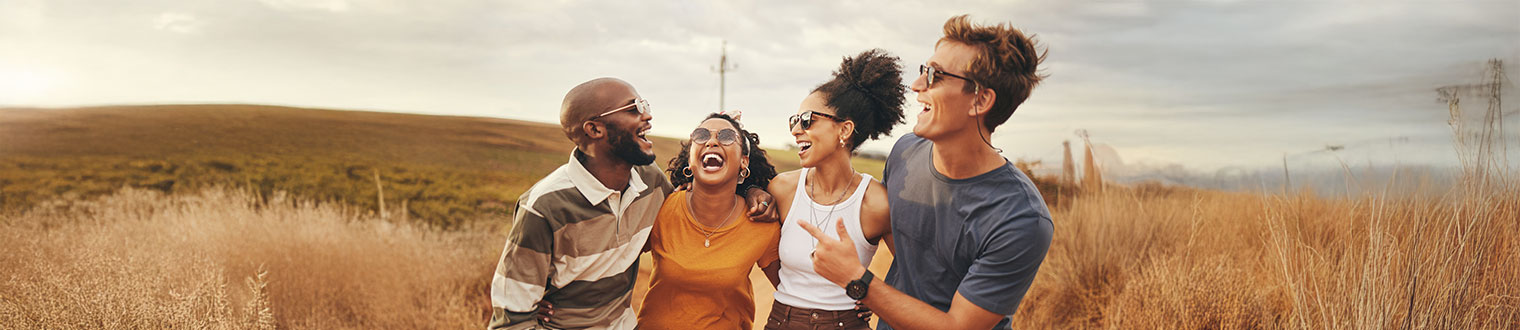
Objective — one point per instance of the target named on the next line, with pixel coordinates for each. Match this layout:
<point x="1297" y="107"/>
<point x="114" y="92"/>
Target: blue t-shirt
<point x="983" y="236"/>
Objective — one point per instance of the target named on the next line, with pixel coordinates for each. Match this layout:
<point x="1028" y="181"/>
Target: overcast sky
<point x="1207" y="84"/>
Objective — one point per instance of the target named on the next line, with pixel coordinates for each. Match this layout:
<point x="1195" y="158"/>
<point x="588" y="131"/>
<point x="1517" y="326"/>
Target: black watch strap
<point x="858" y="288"/>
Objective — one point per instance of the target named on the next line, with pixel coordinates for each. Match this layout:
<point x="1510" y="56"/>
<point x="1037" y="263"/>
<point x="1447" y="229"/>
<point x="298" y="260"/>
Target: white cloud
<point x="1208" y="84"/>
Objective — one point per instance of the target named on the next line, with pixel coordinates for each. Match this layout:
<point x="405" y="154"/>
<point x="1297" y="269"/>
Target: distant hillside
<point x="444" y="169"/>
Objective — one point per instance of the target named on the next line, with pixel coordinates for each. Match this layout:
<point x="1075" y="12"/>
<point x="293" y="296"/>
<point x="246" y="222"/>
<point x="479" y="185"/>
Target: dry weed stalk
<point x="142" y="260"/>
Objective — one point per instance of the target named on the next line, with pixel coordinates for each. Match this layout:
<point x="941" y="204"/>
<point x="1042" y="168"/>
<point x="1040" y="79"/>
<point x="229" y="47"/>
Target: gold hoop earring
<point x="744" y="173"/>
<point x="686" y="172"/>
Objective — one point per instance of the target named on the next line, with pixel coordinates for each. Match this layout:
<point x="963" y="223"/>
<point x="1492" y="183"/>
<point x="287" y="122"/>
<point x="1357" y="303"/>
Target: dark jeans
<point x="785" y="317"/>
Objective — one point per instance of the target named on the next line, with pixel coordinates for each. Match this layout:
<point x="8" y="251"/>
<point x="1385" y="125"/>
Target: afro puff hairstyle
<point x="868" y="90"/>
<point x="760" y="169"/>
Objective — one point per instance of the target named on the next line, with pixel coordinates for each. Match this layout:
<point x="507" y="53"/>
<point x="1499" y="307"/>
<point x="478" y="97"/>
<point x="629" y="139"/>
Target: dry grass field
<point x="224" y="255"/>
<point x="446" y="170"/>
<point x="1186" y="259"/>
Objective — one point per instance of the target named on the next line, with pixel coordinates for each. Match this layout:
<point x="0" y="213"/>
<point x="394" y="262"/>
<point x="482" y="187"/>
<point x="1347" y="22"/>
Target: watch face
<point x="855" y="290"/>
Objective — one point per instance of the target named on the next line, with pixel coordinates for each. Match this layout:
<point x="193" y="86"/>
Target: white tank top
<point x="800" y="285"/>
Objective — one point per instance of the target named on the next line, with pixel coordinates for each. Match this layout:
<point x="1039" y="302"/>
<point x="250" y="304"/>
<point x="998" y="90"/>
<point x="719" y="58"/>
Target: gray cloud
<point x="1210" y="84"/>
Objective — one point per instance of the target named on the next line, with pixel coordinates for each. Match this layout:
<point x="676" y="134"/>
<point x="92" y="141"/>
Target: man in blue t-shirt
<point x="969" y="230"/>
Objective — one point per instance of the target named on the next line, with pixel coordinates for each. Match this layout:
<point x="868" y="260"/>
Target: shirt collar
<point x="592" y="189"/>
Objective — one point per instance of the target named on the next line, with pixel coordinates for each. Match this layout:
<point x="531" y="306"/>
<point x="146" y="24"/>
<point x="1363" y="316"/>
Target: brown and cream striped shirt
<point x="575" y="243"/>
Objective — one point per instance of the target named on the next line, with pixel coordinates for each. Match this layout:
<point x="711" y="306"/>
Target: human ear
<point x="593" y="129"/>
<point x="849" y="130"/>
<point x="984" y="100"/>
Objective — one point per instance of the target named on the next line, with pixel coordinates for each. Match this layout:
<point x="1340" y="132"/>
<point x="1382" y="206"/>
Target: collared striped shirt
<point x="575" y="243"/>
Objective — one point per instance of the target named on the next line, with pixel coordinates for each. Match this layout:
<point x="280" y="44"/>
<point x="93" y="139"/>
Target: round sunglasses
<point x="726" y="136"/>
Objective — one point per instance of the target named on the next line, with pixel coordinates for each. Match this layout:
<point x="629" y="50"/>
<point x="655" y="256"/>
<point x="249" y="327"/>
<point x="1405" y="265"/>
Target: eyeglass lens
<point x="726" y="136"/>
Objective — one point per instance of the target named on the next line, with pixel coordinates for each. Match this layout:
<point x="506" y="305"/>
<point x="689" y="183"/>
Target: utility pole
<point x="1476" y="149"/>
<point x="723" y="68"/>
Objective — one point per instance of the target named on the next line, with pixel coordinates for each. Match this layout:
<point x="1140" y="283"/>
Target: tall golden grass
<point x="1127" y="257"/>
<point x="226" y="259"/>
<point x="1181" y="258"/>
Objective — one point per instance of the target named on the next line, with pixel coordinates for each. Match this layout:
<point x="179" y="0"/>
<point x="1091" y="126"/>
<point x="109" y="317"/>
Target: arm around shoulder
<point x="783" y="188"/>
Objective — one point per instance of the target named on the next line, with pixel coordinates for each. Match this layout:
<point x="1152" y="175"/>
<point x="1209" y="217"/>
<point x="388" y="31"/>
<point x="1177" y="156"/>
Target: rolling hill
<point x="443" y="170"/>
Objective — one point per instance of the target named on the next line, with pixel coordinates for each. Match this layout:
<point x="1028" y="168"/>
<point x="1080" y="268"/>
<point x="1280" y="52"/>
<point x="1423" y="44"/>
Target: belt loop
<point x="786" y="312"/>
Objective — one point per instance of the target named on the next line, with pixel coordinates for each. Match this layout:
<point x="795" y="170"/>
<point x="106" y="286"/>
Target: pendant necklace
<point x="707" y="235"/>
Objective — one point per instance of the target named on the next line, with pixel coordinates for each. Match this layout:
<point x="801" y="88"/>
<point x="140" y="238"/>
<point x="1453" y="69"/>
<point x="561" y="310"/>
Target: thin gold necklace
<point x="707" y="235"/>
<point x="813" y="210"/>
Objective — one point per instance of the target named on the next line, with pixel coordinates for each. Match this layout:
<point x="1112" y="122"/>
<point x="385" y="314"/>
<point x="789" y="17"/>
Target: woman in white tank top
<point x="862" y="102"/>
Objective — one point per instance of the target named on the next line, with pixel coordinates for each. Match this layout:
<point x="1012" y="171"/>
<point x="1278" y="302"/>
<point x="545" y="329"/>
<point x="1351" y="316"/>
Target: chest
<point x="935" y="225"/>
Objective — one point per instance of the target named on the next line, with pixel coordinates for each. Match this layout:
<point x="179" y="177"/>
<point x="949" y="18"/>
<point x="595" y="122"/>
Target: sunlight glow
<point x="21" y="85"/>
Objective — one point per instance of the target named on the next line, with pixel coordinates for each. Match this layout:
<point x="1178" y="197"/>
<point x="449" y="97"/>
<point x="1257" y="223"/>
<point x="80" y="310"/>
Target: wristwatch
<point x="858" y="288"/>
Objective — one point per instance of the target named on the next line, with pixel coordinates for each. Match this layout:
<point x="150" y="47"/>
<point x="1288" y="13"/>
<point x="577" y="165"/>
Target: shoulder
<point x="556" y="184"/>
<point x="1019" y="207"/>
<point x="785" y="182"/>
<point x="875" y="200"/>
<point x="654" y="177"/>
<point x="875" y="212"/>
<point x="676" y="200"/>
<point x="672" y="209"/>
<point x="908" y="142"/>
<point x="908" y="147"/>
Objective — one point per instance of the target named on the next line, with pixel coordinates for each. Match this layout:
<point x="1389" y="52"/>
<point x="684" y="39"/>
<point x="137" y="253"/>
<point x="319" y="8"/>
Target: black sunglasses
<point x="931" y="72"/>
<point x="726" y="136"/>
<point x="806" y="119"/>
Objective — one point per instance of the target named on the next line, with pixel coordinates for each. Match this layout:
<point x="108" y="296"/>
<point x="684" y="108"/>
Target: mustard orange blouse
<point x="704" y="287"/>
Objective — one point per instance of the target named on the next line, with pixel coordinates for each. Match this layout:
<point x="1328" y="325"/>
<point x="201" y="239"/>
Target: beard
<point x="626" y="147"/>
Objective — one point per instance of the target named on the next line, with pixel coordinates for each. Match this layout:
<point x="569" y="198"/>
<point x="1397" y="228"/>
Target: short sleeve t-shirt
<point x="701" y="277"/>
<point x="983" y="236"/>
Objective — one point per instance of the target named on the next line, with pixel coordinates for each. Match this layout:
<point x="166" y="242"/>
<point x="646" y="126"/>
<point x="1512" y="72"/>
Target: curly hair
<point x="1006" y="61"/>
<point x="760" y="169"/>
<point x="867" y="89"/>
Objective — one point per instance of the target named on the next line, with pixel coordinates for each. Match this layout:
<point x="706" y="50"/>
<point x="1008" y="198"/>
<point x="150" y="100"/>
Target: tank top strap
<point x="860" y="190"/>
<point x="802" y="185"/>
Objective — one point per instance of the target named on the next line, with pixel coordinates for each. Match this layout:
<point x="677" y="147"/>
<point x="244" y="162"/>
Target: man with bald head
<point x="578" y="232"/>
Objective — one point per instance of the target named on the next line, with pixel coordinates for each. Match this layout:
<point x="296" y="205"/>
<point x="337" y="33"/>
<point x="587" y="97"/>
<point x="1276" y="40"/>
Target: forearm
<point x="773" y="273"/>
<point x="906" y="312"/>
<point x="903" y="311"/>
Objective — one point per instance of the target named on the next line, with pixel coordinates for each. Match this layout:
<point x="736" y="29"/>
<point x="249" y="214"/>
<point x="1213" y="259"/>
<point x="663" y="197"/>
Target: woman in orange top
<point x="704" y="246"/>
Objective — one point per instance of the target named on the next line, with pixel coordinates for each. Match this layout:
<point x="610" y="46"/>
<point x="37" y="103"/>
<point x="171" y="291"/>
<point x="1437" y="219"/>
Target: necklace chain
<point x="707" y="235"/>
<point x="814" y="211"/>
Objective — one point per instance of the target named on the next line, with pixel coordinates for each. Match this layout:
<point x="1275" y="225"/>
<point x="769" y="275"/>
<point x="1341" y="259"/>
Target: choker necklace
<point x="813" y="210"/>
<point x="706" y="234"/>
